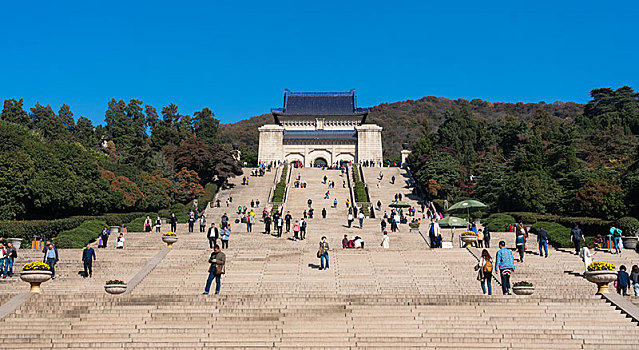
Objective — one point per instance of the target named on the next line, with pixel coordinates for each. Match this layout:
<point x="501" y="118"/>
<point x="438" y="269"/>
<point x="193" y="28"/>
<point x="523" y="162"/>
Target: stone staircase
<point x="273" y="295"/>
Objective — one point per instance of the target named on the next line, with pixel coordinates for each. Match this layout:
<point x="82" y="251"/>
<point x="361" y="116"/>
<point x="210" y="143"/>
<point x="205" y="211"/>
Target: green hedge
<point x="498" y="222"/>
<point x="52" y="228"/>
<point x="137" y="224"/>
<point x="210" y="190"/>
<point x="78" y="237"/>
<point x="280" y="188"/>
<point x="360" y="188"/>
<point x="590" y="226"/>
<point x="628" y="225"/>
<point x="559" y="234"/>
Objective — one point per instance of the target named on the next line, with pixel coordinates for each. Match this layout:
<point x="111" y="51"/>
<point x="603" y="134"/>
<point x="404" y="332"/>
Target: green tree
<point x="205" y="125"/>
<point x="13" y="111"/>
<point x="66" y="116"/>
<point x="530" y="191"/>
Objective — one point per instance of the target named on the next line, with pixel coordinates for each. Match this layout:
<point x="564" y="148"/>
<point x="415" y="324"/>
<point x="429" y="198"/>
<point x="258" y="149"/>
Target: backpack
<point x="488" y="266"/>
<point x="617" y="233"/>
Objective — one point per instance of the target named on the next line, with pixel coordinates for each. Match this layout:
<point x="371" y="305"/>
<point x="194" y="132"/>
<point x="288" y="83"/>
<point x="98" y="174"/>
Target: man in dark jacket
<point x="173" y="221"/>
<point x="287" y="219"/>
<point x="267" y="225"/>
<point x="88" y="256"/>
<point x="216" y="270"/>
<point x="225" y="221"/>
<point x="51" y="257"/>
<point x="576" y="236"/>
<point x="542" y="239"/>
<point x="213" y="234"/>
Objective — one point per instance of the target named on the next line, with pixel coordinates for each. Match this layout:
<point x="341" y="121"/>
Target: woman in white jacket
<point x="385" y="241"/>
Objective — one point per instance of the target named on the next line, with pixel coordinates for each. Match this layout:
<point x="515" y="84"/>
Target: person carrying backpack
<point x="485" y="271"/>
<point x="616" y="238"/>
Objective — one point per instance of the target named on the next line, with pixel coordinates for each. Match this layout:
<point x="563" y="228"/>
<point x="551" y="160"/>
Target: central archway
<point x="320" y="162"/>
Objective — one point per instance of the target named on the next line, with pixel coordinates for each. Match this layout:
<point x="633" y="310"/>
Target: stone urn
<point x="629" y="242"/>
<point x="115" y="288"/>
<point x="524" y="290"/>
<point x="16" y="242"/>
<point x="468" y="240"/>
<point x="115" y="230"/>
<point x="169" y="240"/>
<point x="35" y="277"/>
<point x="601" y="279"/>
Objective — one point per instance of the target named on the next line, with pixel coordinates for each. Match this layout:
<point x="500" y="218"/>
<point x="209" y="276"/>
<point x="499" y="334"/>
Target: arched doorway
<point x="320" y="162"/>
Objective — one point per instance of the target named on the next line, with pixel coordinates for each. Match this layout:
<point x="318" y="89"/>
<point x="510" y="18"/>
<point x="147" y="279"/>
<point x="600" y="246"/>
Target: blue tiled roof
<point x="320" y="135"/>
<point x="320" y="103"/>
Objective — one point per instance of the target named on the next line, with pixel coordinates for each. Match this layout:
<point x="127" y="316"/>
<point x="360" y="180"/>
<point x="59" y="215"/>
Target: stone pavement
<point x="273" y="294"/>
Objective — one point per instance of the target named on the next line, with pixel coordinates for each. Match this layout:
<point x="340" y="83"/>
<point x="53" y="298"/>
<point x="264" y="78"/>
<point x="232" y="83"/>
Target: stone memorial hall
<point x="320" y="128"/>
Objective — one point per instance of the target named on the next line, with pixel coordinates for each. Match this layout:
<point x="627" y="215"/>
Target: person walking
<point x="191" y="221"/>
<point x="249" y="223"/>
<point x="586" y="256"/>
<point x="385" y="241"/>
<point x="158" y="224"/>
<point x="382" y="223"/>
<point x="542" y="239"/>
<point x="288" y="219"/>
<point x="147" y="224"/>
<point x="634" y="279"/>
<point x="480" y="239"/>
<point x="623" y="281"/>
<point x="576" y="237"/>
<point x="280" y="226"/>
<point x="302" y="229"/>
<point x="267" y="224"/>
<point x="505" y="264"/>
<point x="216" y="270"/>
<point x="521" y="246"/>
<point x="225" y="221"/>
<point x="349" y="219"/>
<point x="360" y="217"/>
<point x="322" y="253"/>
<point x="88" y="257"/>
<point x="616" y="238"/>
<point x="434" y="233"/>
<point x="104" y="235"/>
<point x="335" y="203"/>
<point x="173" y="221"/>
<point x="12" y="254"/>
<point x="310" y="202"/>
<point x="485" y="268"/>
<point x="226" y="234"/>
<point x="296" y="230"/>
<point x="202" y="223"/>
<point x="213" y="234"/>
<point x="3" y="260"/>
<point x="323" y="213"/>
<point x="51" y="257"/>
<point x="486" y="237"/>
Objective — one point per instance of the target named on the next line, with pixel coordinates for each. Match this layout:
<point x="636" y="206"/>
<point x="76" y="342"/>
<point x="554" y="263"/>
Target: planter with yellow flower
<point x="601" y="273"/>
<point x="468" y="237"/>
<point x="35" y="273"/>
<point x="169" y="238"/>
<point x="115" y="287"/>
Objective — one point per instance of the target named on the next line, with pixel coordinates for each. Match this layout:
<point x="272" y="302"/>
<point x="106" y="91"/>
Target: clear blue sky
<point x="237" y="57"/>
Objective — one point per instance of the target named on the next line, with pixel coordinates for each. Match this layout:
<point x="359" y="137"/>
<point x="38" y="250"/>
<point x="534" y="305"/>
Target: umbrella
<point x="467" y="204"/>
<point x="452" y="221"/>
<point x="399" y="204"/>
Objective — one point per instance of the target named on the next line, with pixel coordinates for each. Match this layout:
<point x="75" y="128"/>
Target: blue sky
<point x="237" y="57"/>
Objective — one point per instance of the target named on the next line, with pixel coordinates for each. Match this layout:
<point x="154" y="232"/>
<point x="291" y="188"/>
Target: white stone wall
<point x="308" y="151"/>
<point x="369" y="142"/>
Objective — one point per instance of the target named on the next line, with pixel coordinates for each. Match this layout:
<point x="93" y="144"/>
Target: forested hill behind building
<point x="404" y="121"/>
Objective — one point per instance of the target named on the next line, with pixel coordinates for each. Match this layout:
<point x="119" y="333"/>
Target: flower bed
<point x="601" y="266"/>
<point x="523" y="284"/>
<point x="115" y="282"/>
<point x="36" y="266"/>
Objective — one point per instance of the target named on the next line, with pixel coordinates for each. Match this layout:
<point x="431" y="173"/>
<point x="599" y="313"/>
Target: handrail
<point x="276" y="180"/>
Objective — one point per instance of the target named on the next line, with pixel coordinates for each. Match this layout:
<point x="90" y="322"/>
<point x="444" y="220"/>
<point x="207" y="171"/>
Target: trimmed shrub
<point x="280" y="188"/>
<point x="559" y="234"/>
<point x="497" y="222"/>
<point x="81" y="235"/>
<point x="590" y="226"/>
<point x="628" y="225"/>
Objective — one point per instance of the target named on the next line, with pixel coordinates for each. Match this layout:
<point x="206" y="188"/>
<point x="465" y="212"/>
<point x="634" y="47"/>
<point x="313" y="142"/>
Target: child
<point x="623" y="280"/>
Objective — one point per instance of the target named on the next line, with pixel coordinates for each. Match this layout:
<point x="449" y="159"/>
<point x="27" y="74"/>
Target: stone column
<point x="369" y="143"/>
<point x="271" y="147"/>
